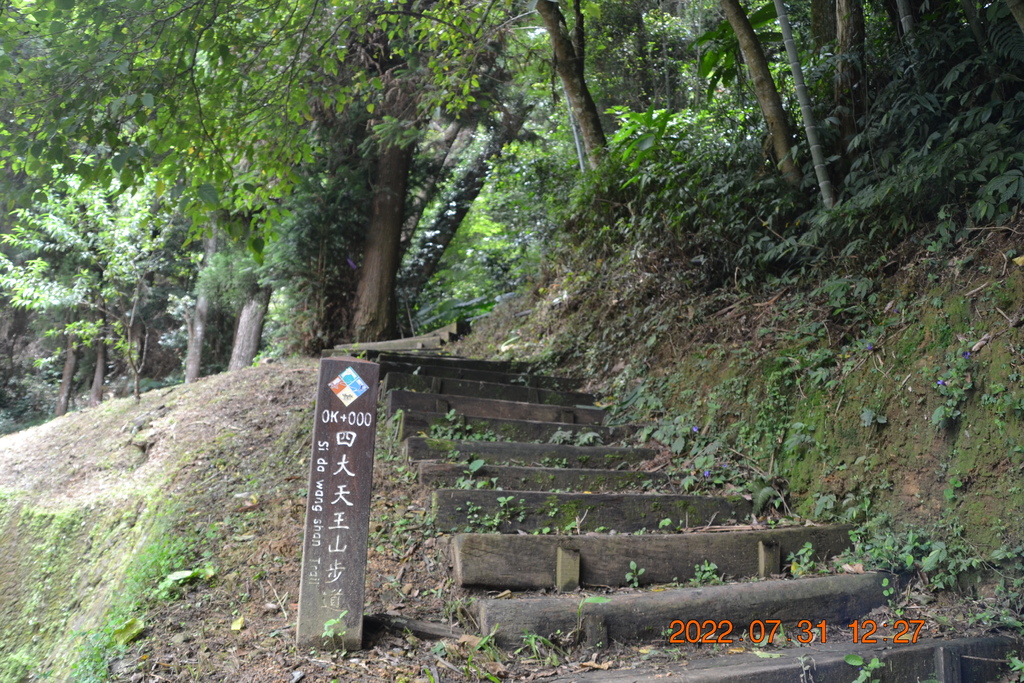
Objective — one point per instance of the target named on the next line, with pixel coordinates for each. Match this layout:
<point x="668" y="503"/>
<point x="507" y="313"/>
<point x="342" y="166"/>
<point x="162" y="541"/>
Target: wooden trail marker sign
<point x="338" y="507"/>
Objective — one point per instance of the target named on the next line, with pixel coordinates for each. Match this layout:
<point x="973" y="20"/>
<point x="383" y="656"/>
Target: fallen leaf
<point x="736" y="650"/>
<point x="853" y="568"/>
<point x="129" y="631"/>
<point x="595" y="665"/>
<point x="766" y="655"/>
<point x="494" y="668"/>
<point x="472" y="641"/>
<point x="1019" y="260"/>
<point x="237" y="624"/>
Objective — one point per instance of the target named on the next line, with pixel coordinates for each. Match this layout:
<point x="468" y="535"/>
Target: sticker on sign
<point x="348" y="386"/>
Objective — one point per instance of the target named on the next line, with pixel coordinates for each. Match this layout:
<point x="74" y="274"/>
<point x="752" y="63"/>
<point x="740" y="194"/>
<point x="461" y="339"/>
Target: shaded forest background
<point x="192" y="185"/>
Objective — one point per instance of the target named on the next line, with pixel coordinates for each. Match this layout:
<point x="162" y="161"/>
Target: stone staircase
<point x="551" y="520"/>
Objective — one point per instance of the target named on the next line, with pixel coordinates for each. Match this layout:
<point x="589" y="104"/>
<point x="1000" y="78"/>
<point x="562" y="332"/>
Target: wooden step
<point x="488" y="407"/>
<point x="415" y="423"/>
<point x="371" y="349"/>
<point x="941" y="660"/>
<point x="434" y="339"/>
<point x="512" y="478"/>
<point x="519" y="379"/>
<point x="455" y="361"/>
<point x="529" y="511"/>
<point x="502" y="392"/>
<point x="543" y="454"/>
<point x="648" y="616"/>
<point x="514" y="562"/>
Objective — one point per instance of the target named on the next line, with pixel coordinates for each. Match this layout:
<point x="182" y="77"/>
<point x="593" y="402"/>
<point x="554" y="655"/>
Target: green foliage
<point x="706" y="575"/>
<point x="331" y="627"/>
<point x="634" y="574"/>
<point x="865" y="669"/>
<point x="801" y="562"/>
<point x="953" y="383"/>
<point x="682" y="184"/>
<point x="456" y="428"/>
<point x="540" y="649"/>
<point x="720" y="62"/>
<point x="579" y="438"/>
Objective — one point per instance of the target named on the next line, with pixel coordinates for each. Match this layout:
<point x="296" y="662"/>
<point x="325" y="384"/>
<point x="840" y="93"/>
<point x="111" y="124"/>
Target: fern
<point x="764" y="496"/>
<point x="1007" y="40"/>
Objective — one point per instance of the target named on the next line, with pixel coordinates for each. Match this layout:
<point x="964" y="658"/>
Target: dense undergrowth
<point x="694" y="190"/>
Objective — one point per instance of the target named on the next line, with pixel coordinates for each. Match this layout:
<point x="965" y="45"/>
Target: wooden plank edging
<point x="517" y="562"/>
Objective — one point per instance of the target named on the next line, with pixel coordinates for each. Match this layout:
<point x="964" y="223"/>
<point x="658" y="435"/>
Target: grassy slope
<point x="97" y="507"/>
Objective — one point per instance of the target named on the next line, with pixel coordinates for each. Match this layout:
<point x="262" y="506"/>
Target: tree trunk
<point x="810" y="128"/>
<point x="438" y="236"/>
<point x="67" y="379"/>
<point x="850" y="93"/>
<point x="1017" y="9"/>
<point x="375" y="310"/>
<point x="99" y="374"/>
<point x="823" y="22"/>
<point x="906" y="16"/>
<point x="569" y="60"/>
<point x="764" y="88"/>
<point x="975" y="21"/>
<point x="249" y="329"/>
<point x="455" y="139"/>
<point x="197" y="326"/>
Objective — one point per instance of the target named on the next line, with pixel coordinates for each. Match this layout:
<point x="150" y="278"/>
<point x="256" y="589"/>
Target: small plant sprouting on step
<point x="455" y="428"/>
<point x="508" y="511"/>
<point x="866" y="668"/>
<point x="801" y="563"/>
<point x="555" y="462"/>
<point x="577" y="635"/>
<point x="541" y="649"/>
<point x="633" y="575"/>
<point x="706" y="575"/>
<point x="587" y="438"/>
<point x="470" y="480"/>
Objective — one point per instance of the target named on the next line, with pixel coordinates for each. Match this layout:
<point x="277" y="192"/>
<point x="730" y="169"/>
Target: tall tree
<point x="807" y="112"/>
<point x="196" y="322"/>
<point x="764" y="88"/>
<point x="376" y="310"/>
<point x="216" y="99"/>
<point x="456" y="203"/>
<point x="850" y="89"/>
<point x="249" y="329"/>
<point x="67" y="378"/>
<point x="569" y="58"/>
<point x="99" y="374"/>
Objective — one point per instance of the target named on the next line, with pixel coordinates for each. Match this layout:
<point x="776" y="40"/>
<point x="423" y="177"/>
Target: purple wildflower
<point x="966" y="354"/>
<point x="696" y="429"/>
<point x="707" y="473"/>
<point x="941" y="383"/>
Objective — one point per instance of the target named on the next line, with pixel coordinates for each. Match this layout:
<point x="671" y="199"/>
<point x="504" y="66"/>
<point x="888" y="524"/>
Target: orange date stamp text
<point x="764" y="631"/>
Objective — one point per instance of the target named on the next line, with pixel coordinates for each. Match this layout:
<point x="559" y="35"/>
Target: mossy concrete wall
<point x="59" y="570"/>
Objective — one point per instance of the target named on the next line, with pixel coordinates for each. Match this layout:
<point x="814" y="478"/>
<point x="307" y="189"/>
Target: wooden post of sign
<point x="338" y="506"/>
